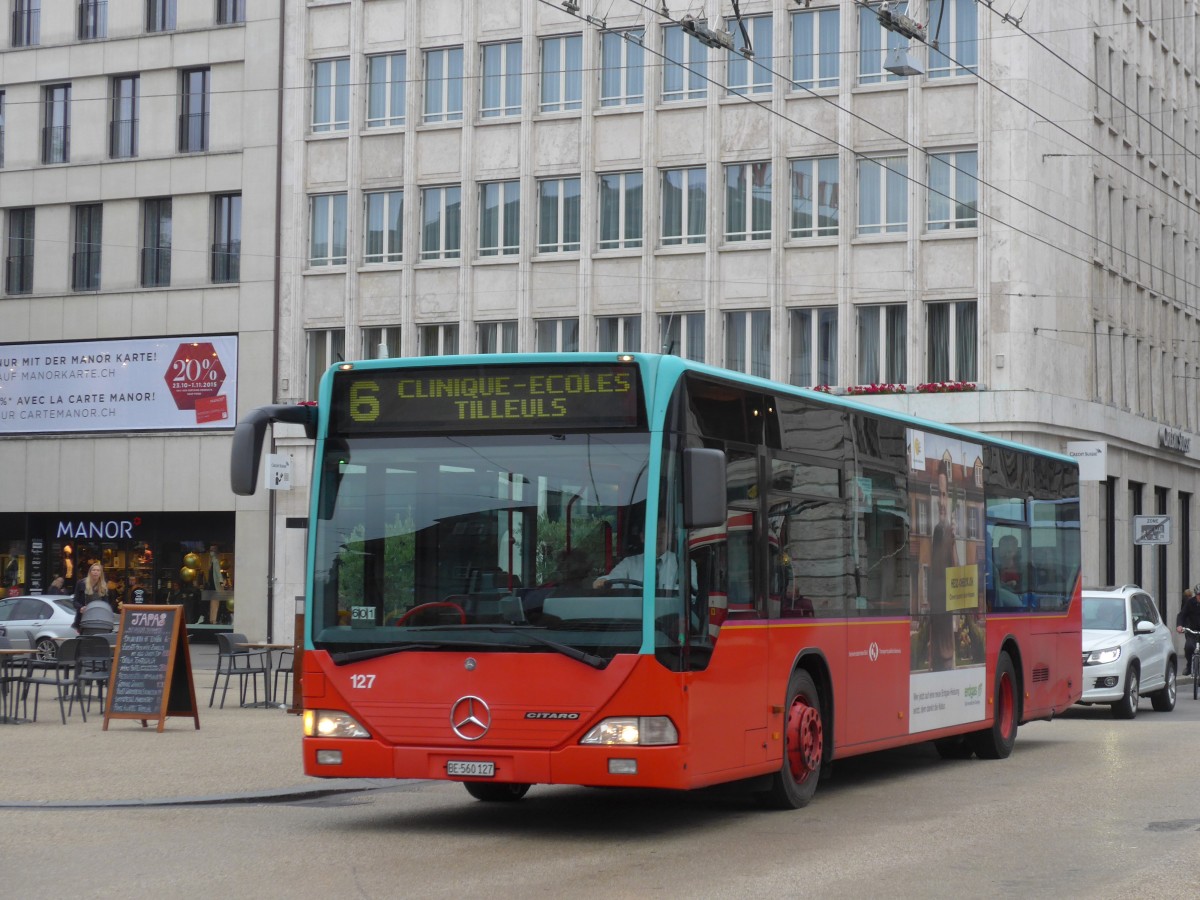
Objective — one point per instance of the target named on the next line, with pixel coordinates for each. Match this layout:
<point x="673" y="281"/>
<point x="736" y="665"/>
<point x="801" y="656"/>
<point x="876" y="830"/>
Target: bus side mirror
<point x="703" y="488"/>
<point x="248" y="439"/>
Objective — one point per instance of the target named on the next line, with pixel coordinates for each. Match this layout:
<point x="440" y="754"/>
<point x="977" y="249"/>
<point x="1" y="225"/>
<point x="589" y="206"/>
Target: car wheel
<point x="47" y="648"/>
<point x="794" y="785"/>
<point x="1164" y="699"/>
<point x="490" y="792"/>
<point x="1126" y="707"/>
<point x="997" y="742"/>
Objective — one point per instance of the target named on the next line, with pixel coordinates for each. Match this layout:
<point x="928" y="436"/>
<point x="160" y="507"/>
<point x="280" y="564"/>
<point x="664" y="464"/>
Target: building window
<point x="56" y="125"/>
<point x="331" y="95"/>
<point x="954" y="25"/>
<point x="443" y="85"/>
<point x="387" y="82"/>
<point x="748" y="201"/>
<point x="85" y="258"/>
<point x="750" y="75"/>
<point x="815" y="197"/>
<point x="748" y="342"/>
<point x="326" y="347"/>
<point x="816" y="48"/>
<point x="499" y="218"/>
<point x="557" y="335"/>
<point x="497" y="337"/>
<point x="882" y="344"/>
<point x="231" y="12"/>
<point x="685" y="69"/>
<point x="160" y="15"/>
<point x="384" y="239"/>
<point x="501" y="80"/>
<point x="26" y="22"/>
<point x="874" y="42"/>
<point x="441" y="223"/>
<point x="156" y="242"/>
<point x="381" y="343"/>
<point x="1" y="129"/>
<point x="93" y="19"/>
<point x="439" y="340"/>
<point x="682" y="334"/>
<point x="123" y="121"/>
<point x="684" y="206"/>
<point x="227" y="238"/>
<point x="620" y="210"/>
<point x="953" y="190"/>
<point x="622" y="72"/>
<point x="193" y="118"/>
<point x="327" y="230"/>
<point x="814" y="346"/>
<point x="951" y="341"/>
<point x="883" y="195"/>
<point x="18" y="268"/>
<point x="558" y="215"/>
<point x="562" y="73"/>
<point x="619" y="334"/>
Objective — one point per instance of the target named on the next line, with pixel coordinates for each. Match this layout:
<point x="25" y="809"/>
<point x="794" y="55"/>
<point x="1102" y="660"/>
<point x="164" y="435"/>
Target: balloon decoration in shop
<point x="192" y="560"/>
<point x="187" y="573"/>
<point x="191" y="567"/>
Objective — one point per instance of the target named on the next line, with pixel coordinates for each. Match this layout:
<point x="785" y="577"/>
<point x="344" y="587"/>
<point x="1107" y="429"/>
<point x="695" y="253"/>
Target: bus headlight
<point x="331" y="723"/>
<point x="628" y="730"/>
<point x="1100" y="657"/>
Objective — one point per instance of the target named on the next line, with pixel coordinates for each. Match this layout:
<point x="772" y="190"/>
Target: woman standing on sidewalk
<point x="93" y="588"/>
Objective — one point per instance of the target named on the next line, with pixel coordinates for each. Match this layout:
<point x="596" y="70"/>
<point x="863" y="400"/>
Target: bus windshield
<point x="479" y="542"/>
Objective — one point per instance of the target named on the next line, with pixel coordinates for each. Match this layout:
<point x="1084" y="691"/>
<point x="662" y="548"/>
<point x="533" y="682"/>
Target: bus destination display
<point x="566" y="397"/>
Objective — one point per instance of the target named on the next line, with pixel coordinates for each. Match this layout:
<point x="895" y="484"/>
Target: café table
<point x="10" y="659"/>
<point x="270" y="685"/>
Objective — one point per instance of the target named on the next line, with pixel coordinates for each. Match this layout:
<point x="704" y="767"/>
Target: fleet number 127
<point x="362" y="682"/>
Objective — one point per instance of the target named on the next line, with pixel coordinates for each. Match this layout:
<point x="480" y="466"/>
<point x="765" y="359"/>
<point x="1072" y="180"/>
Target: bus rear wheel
<point x="794" y="785"/>
<point x="493" y="792"/>
<point x="997" y="742"/>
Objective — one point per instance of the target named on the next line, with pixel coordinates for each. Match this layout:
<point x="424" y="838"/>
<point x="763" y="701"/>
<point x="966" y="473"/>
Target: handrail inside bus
<point x="248" y="440"/>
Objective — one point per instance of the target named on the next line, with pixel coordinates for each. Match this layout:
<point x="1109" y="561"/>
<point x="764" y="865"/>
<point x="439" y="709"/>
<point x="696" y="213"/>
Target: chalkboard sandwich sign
<point x="152" y="670"/>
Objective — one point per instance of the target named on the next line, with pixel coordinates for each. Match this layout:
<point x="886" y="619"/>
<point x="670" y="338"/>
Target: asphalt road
<point x="1086" y="807"/>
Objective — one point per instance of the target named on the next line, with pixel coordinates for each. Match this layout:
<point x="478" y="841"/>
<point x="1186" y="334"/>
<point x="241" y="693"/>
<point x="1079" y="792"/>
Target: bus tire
<point x="494" y="792"/>
<point x="794" y="785"/>
<point x="997" y="741"/>
<point x="957" y="747"/>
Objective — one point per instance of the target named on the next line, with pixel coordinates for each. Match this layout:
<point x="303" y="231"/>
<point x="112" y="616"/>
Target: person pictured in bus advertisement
<point x="948" y="562"/>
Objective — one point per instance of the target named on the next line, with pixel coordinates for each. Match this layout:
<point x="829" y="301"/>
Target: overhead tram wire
<point x="862" y="156"/>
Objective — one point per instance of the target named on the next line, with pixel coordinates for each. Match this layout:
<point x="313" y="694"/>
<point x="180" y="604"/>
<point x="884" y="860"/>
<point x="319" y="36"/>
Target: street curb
<point x="282" y="795"/>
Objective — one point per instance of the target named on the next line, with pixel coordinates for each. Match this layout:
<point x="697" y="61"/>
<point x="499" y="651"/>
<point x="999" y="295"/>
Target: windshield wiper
<point x="582" y="656"/>
<point x="374" y="652"/>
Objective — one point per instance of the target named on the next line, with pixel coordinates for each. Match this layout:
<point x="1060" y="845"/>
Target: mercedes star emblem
<point x="470" y="718"/>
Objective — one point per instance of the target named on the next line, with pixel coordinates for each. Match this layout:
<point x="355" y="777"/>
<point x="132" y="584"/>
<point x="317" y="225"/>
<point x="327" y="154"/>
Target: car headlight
<point x="630" y="730"/>
<point x="331" y="723"/>
<point x="1100" y="657"/>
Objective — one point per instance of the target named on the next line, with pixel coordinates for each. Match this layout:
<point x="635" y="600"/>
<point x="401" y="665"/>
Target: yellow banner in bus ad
<point x="962" y="588"/>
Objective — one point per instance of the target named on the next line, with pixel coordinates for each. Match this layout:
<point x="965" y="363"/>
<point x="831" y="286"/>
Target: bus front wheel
<point x="997" y="742"/>
<point x="794" y="785"/>
<point x="493" y="792"/>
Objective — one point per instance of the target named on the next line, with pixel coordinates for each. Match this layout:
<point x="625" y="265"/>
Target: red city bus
<point x="486" y="604"/>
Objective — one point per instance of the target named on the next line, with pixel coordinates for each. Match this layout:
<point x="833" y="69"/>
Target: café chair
<point x="61" y="676"/>
<point x="285" y="666"/>
<point x="241" y="663"/>
<point x="92" y="670"/>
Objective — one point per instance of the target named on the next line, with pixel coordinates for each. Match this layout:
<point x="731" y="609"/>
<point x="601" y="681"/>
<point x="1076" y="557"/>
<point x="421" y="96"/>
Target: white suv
<point x="1128" y="652"/>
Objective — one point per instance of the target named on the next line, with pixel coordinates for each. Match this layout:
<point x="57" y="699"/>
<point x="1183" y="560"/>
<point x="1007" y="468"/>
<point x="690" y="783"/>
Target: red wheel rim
<point x="1005" y="706"/>
<point x="805" y="740"/>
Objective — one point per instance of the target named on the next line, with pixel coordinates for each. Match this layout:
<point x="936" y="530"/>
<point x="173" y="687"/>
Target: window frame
<point x="821" y="17"/>
<point x="684" y="327"/>
<point x="123" y="132"/>
<point x="331" y="344"/>
<point x="885" y="168"/>
<point x="813" y="332"/>
<point x="691" y="69"/>
<point x="20" y="248"/>
<point x="565" y="210"/>
<point x="87" y="231"/>
<point x="739" y="181"/>
<point x="559" y="331"/>
<point x="191" y="139"/>
<point x="501" y="334"/>
<point x="439" y="106"/>
<point x="161" y="16"/>
<point x="225" y="265"/>
<point x="56" y="122"/>
<point x="754" y="324"/>
<point x="157" y="231"/>
<point x="622" y="84"/>
<point x="390" y="239"/>
<point x="504" y="83"/>
<point x="958" y="176"/>
<point x="630" y="222"/>
<point x="231" y="12"/>
<point x="887" y="371"/>
<point x="956" y="369"/>
<point x="745" y="76"/>
<point x="325" y="207"/>
<point x="820" y="167"/>
<point x="501" y="217"/>
<point x="388" y="335"/>
<point x="385" y="90"/>
<point x="953" y="34"/>
<point x="568" y="82"/>
<point x="448" y="223"/>
<point x="445" y="339"/>
<point x="619" y="334"/>
<point x="337" y="89"/>
<point x="875" y="43"/>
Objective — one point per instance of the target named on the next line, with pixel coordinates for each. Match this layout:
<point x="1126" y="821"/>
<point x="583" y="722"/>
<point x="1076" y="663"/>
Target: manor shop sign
<point x="1169" y="439"/>
<point x="103" y="529"/>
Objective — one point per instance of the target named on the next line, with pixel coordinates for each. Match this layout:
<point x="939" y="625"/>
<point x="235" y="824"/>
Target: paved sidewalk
<point x="236" y="754"/>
